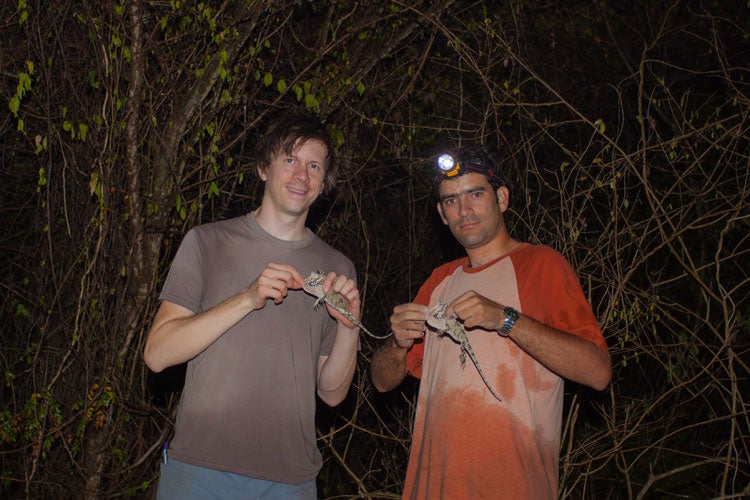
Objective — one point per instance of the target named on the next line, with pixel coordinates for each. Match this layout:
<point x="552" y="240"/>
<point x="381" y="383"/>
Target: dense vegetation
<point x="624" y="127"/>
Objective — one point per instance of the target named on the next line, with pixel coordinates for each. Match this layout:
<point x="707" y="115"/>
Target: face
<point x="294" y="181"/>
<point x="472" y="209"/>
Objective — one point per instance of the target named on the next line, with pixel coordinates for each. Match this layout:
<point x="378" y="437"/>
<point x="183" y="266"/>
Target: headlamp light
<point x="448" y="165"/>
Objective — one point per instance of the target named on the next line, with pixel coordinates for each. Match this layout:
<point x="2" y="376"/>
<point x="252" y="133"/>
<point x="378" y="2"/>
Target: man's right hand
<point x="273" y="283"/>
<point x="408" y="323"/>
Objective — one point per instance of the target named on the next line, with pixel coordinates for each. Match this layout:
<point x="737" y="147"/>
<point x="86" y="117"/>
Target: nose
<point x="464" y="206"/>
<point x="301" y="174"/>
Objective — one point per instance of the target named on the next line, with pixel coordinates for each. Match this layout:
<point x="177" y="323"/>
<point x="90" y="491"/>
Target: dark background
<point x="623" y="127"/>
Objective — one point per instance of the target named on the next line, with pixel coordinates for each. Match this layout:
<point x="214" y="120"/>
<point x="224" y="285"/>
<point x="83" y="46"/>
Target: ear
<point x="261" y="173"/>
<point x="503" y="197"/>
<point x="440" y="211"/>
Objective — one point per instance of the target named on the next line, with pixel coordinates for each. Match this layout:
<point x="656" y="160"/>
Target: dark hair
<point x="464" y="160"/>
<point x="283" y="134"/>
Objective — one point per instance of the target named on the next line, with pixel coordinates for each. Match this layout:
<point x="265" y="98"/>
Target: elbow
<point x="603" y="375"/>
<point x="388" y="368"/>
<point x="386" y="382"/>
<point x="331" y="399"/>
<point x="601" y="383"/>
<point x="380" y="386"/>
<point x="151" y="361"/>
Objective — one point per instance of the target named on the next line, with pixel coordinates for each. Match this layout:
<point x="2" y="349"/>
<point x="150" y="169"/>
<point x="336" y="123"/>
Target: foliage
<point x="624" y="127"/>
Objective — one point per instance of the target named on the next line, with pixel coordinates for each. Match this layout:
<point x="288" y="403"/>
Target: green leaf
<point x="83" y="129"/>
<point x="68" y="127"/>
<point x="14" y="105"/>
<point x="267" y="79"/>
<point x="360" y="88"/>
<point x="600" y="127"/>
<point x="298" y="92"/>
<point x="337" y="136"/>
<point x="22" y="311"/>
<point x="311" y="102"/>
<point x="93" y="182"/>
<point x="281" y="86"/>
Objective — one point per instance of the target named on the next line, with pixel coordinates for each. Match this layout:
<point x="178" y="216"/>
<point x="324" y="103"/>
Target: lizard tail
<point x="378" y="337"/>
<point x="484" y="379"/>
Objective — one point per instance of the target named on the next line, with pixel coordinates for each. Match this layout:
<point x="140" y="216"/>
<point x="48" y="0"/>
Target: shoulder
<point x="447" y="269"/>
<point x="544" y="252"/>
<point x="218" y="227"/>
<point x="538" y="256"/>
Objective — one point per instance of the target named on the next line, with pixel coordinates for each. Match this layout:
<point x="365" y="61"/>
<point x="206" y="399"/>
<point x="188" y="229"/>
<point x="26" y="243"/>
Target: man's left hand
<point x="476" y="310"/>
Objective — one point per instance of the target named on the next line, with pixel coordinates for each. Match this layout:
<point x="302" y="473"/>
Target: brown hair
<point x="286" y="131"/>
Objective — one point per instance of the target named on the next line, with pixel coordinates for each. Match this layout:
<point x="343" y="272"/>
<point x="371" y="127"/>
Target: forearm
<point x="388" y="366"/>
<point x="568" y="355"/>
<point x="178" y="336"/>
<point x="335" y="371"/>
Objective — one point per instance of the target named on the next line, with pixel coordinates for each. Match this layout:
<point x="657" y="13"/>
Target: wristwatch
<point x="511" y="315"/>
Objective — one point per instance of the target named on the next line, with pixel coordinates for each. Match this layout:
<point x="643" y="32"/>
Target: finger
<point x="291" y="277"/>
<point x="297" y="279"/>
<point x="461" y="305"/>
<point x="338" y="282"/>
<point x="410" y="311"/>
<point x="344" y="285"/>
<point x="403" y="343"/>
<point x="273" y="291"/>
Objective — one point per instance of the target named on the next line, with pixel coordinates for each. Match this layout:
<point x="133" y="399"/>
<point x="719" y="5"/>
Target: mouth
<point x="298" y="191"/>
<point x="468" y="224"/>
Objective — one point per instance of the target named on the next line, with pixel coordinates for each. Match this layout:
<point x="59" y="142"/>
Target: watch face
<point x="511" y="315"/>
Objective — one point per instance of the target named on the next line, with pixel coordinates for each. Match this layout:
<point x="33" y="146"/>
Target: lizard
<point x="455" y="330"/>
<point x="313" y="285"/>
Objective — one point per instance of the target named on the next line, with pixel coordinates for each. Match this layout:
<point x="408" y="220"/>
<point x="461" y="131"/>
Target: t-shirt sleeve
<point x="551" y="294"/>
<point x="184" y="283"/>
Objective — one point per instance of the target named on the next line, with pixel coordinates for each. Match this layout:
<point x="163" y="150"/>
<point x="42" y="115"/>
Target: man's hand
<point x="273" y="283"/>
<point x="476" y="310"/>
<point x="347" y="288"/>
<point x="408" y="323"/>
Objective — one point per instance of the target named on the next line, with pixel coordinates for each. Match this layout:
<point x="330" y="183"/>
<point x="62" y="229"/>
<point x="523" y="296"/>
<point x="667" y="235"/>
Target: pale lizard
<point x="313" y="285"/>
<point x="455" y="330"/>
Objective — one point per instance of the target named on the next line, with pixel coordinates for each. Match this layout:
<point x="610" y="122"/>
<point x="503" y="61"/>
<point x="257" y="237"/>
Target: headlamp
<point x="448" y="165"/>
<point x="466" y="160"/>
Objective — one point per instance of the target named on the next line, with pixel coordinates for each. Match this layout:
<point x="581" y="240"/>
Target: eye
<point x="449" y="201"/>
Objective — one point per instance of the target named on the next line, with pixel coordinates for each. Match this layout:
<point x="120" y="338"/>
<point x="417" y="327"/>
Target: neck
<point x="501" y="245"/>
<point x="282" y="226"/>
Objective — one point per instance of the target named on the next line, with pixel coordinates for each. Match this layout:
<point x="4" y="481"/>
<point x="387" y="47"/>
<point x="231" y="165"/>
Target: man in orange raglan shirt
<point x="529" y="325"/>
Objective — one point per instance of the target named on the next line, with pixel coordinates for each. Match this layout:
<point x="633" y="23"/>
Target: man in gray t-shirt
<point x="257" y="351"/>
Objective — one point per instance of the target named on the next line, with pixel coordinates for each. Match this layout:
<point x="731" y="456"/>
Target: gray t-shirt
<point x="248" y="405"/>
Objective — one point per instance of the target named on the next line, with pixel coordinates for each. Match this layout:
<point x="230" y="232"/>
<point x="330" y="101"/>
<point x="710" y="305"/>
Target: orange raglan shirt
<point x="465" y="443"/>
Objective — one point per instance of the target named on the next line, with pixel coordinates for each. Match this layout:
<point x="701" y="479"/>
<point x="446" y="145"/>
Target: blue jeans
<point x="181" y="481"/>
